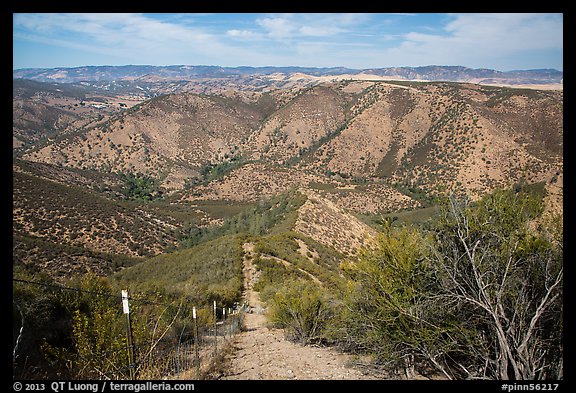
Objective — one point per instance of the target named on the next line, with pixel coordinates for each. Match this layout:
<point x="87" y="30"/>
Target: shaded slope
<point x="69" y="229"/>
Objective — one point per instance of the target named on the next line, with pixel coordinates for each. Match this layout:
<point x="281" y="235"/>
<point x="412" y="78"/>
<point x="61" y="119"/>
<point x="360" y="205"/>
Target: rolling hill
<point x="194" y="185"/>
<point x="136" y="175"/>
<point x="437" y="137"/>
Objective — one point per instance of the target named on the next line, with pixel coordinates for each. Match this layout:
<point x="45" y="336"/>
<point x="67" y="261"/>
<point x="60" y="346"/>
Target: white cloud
<point x="476" y="39"/>
<point x="319" y="31"/>
<point x="508" y="31"/>
<point x="135" y="37"/>
<point x="245" y="34"/>
<point x="354" y="40"/>
<point x="286" y="27"/>
<point x="279" y="28"/>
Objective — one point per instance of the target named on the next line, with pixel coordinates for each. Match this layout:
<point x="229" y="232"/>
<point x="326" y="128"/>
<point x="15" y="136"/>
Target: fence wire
<point x="195" y="352"/>
<point x="194" y="358"/>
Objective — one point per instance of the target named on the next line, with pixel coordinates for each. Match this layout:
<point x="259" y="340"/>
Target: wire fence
<point x="192" y="349"/>
<point x="196" y="358"/>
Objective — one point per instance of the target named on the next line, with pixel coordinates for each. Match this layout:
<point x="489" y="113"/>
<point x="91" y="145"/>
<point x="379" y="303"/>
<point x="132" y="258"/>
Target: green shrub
<point x="274" y="214"/>
<point x="478" y="295"/>
<point x="388" y="313"/>
<point x="78" y="330"/>
<point x="303" y="310"/>
<point x="138" y="187"/>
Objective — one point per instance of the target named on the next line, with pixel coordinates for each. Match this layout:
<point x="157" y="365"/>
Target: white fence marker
<point x="125" y="304"/>
<point x="131" y="356"/>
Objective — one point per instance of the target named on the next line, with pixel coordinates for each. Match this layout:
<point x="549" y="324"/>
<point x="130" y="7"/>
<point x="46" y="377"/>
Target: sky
<point x="503" y="42"/>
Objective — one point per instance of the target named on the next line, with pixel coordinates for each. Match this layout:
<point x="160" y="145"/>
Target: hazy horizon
<point x="276" y="66"/>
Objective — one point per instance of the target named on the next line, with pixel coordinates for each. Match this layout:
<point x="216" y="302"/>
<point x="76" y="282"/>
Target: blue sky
<point x="503" y="42"/>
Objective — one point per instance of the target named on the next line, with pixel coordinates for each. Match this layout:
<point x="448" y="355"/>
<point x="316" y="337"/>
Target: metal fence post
<point x="126" y="310"/>
<point x="196" y="356"/>
<point x="215" y="331"/>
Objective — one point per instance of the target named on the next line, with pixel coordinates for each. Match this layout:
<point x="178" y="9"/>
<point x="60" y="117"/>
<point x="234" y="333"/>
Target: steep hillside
<point x="43" y="112"/>
<point x="360" y="147"/>
<point x="475" y="146"/>
<point x="70" y="221"/>
<point x="303" y="122"/>
<point x="73" y="215"/>
<point x="33" y="121"/>
<point x="447" y="138"/>
<point x="170" y="137"/>
<point x="437" y="137"/>
<point x="385" y="120"/>
<point x="324" y="222"/>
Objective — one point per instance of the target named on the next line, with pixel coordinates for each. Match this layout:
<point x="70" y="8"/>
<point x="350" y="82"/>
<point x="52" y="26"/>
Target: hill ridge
<point x="190" y="72"/>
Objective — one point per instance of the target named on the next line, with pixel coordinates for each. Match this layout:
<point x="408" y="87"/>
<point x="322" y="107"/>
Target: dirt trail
<point x="263" y="353"/>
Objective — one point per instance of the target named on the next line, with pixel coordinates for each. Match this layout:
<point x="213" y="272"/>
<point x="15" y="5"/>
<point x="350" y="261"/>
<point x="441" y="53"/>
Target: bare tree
<point x="512" y="278"/>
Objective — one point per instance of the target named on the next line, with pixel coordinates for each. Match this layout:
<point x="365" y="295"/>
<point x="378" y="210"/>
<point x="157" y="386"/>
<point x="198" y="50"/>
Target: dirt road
<point x="260" y="352"/>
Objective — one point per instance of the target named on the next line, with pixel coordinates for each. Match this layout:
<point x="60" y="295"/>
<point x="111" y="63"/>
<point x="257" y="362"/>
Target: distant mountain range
<point x="192" y="72"/>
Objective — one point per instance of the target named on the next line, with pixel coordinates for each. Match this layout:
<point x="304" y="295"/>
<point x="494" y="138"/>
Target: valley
<point x="158" y="182"/>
